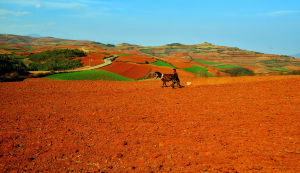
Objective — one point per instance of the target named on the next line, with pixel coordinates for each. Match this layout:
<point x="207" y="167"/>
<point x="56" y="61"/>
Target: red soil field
<point x="93" y="59"/>
<point x="292" y="67"/>
<point x="245" y="124"/>
<point x="136" y="59"/>
<point x="178" y="62"/>
<point x="129" y="70"/>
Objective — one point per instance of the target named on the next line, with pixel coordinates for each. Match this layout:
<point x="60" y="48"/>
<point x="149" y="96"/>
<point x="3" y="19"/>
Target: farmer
<point x="176" y="79"/>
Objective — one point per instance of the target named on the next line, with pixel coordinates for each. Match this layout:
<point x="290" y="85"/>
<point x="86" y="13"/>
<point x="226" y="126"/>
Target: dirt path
<point x="107" y="61"/>
<point x="90" y="126"/>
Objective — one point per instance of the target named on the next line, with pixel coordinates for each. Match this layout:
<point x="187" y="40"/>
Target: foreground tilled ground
<point x="97" y="126"/>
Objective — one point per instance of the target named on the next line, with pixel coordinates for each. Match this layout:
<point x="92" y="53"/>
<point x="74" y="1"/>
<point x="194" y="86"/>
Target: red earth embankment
<point x="98" y="126"/>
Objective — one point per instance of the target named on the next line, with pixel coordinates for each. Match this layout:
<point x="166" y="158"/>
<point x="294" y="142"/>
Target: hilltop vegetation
<point x="13" y="66"/>
<point x="61" y="59"/>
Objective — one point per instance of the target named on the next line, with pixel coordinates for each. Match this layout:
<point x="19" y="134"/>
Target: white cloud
<point x="62" y="5"/>
<point x="14" y="13"/>
<point x="66" y="4"/>
<point x="282" y="13"/>
<point x="38" y="5"/>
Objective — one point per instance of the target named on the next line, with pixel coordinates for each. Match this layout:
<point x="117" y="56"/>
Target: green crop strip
<point x="206" y="62"/>
<point x="278" y="69"/>
<point x="162" y="63"/>
<point x="201" y="71"/>
<point x="227" y="66"/>
<point x="89" y="75"/>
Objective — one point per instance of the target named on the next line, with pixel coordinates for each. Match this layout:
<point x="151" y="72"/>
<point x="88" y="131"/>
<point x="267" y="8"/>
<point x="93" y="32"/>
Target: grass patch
<point x="278" y="69"/>
<point x="228" y="66"/>
<point x="16" y="50"/>
<point x="201" y="71"/>
<point x="89" y="75"/>
<point x="162" y="63"/>
<point x="206" y="62"/>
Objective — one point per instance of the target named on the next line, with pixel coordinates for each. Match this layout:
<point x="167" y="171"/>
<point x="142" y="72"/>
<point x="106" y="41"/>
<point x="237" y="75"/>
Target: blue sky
<point x="270" y="26"/>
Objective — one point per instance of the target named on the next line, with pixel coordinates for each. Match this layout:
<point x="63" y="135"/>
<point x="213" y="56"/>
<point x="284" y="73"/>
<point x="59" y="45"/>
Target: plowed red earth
<point x="97" y="126"/>
<point x="129" y="70"/>
<point x="93" y="59"/>
<point x="179" y="62"/>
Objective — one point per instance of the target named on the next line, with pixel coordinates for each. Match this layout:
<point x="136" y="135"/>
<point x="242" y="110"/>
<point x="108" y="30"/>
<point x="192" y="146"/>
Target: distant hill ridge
<point x="214" y="58"/>
<point x="178" y="47"/>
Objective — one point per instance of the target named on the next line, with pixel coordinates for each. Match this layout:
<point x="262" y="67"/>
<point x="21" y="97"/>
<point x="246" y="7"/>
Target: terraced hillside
<point x="139" y="62"/>
<point x="218" y="57"/>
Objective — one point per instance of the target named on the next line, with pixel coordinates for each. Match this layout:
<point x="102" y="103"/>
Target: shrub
<point x="58" y="53"/>
<point x="60" y="59"/>
<point x="12" y="68"/>
<point x="11" y="63"/>
<point x="239" y="72"/>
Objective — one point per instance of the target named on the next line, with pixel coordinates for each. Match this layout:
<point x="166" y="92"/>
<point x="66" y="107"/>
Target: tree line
<point x="51" y="60"/>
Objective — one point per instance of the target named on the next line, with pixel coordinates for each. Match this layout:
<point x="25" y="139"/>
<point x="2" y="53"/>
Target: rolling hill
<point x="139" y="62"/>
